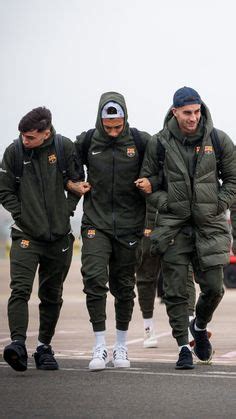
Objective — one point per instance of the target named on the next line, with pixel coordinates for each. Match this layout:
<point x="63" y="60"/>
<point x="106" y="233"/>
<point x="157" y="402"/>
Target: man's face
<point x="34" y="138"/>
<point x="188" y="118"/>
<point x="113" y="127"/>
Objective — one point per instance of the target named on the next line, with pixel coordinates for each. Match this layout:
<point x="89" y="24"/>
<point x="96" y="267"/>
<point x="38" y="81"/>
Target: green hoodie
<point x="38" y="204"/>
<point x="191" y="193"/>
<point x="114" y="203"/>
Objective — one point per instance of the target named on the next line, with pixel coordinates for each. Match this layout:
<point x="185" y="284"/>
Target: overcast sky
<point x="65" y="53"/>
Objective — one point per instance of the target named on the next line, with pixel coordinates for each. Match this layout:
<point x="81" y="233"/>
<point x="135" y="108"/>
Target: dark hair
<point x="111" y="110"/>
<point x="38" y="119"/>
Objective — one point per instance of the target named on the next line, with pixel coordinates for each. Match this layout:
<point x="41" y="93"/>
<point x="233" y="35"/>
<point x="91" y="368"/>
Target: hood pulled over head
<point x="117" y="102"/>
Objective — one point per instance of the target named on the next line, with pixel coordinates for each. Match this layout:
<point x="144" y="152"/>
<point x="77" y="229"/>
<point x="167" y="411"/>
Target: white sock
<point x="40" y="343"/>
<point x="186" y="346"/>
<point x="100" y="338"/>
<point x="148" y="323"/>
<point x="190" y="318"/>
<point x="121" y="336"/>
<point x="197" y="328"/>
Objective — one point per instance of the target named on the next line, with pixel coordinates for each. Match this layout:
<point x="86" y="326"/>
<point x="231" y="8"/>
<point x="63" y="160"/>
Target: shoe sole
<point x="150" y="345"/>
<point x="47" y="368"/>
<point x="99" y="369"/>
<point x="185" y="367"/>
<point x="205" y="361"/>
<point x="13" y="359"/>
<point x="121" y="366"/>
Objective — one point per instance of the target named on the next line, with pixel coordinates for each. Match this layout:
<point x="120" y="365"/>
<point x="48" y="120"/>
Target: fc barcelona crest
<point x="208" y="149"/>
<point x="130" y="151"/>
<point x="24" y="244"/>
<point x="91" y="233"/>
<point x="147" y="232"/>
<point x="52" y="158"/>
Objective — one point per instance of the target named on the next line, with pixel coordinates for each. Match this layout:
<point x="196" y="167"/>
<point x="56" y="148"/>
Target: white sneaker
<point x="120" y="357"/>
<point x="150" y="339"/>
<point x="100" y="358"/>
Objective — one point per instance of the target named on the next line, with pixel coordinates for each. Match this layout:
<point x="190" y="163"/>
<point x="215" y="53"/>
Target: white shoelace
<point x="100" y="352"/>
<point x="120" y="352"/>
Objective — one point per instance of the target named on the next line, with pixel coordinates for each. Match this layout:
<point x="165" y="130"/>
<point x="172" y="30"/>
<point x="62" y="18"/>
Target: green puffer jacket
<point x="151" y="212"/>
<point x="233" y="220"/>
<point x="114" y="203"/>
<point x="191" y="193"/>
<point x="38" y="204"/>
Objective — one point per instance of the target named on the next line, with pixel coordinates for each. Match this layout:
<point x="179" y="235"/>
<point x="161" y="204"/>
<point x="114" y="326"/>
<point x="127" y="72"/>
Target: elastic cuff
<point x="147" y="314"/>
<point x="99" y="327"/>
<point x="45" y="340"/>
<point x="182" y="340"/>
<point x="200" y="325"/>
<point x="122" y="326"/>
<point x="18" y="337"/>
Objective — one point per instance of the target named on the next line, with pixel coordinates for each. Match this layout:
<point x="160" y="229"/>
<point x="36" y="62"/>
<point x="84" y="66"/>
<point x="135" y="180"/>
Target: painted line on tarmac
<point x="229" y="355"/>
<point x="174" y="374"/>
<point x="222" y="372"/>
<point x="140" y="371"/>
<point x="131" y="342"/>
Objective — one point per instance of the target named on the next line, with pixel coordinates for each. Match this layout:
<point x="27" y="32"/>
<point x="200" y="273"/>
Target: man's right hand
<point x="78" y="188"/>
<point x="144" y="185"/>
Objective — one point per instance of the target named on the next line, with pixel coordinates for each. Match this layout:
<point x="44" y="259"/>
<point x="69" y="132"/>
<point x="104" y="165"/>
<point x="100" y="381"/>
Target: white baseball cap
<point x="112" y="110"/>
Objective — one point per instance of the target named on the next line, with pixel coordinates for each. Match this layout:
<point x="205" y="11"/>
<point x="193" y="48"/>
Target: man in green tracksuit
<point x="41" y="233"/>
<point x="112" y="223"/>
<point x="147" y="276"/>
<point x="191" y="221"/>
<point x="150" y="280"/>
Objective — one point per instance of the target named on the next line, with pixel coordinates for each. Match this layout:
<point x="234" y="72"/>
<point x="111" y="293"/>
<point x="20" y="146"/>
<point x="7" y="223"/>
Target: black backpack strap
<point x="18" y="169"/>
<point x="216" y="144"/>
<point x="86" y="145"/>
<point x="61" y="160"/>
<point x="161" y="152"/>
<point x="217" y="149"/>
<point x="139" y="144"/>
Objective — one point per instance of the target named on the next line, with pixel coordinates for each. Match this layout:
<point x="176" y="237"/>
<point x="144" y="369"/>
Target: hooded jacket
<point x="191" y="193"/>
<point x="114" y="203"/>
<point x="38" y="204"/>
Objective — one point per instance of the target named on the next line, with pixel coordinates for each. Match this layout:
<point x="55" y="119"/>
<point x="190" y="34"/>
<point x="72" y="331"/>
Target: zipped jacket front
<point x="199" y="200"/>
<point x="114" y="203"/>
<point x="39" y="204"/>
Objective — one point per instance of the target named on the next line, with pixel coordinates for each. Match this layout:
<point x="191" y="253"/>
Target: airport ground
<point x="151" y="388"/>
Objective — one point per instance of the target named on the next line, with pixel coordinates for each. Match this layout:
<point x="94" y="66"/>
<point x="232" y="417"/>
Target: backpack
<point x="217" y="149"/>
<point x="59" y="148"/>
<point x="137" y="140"/>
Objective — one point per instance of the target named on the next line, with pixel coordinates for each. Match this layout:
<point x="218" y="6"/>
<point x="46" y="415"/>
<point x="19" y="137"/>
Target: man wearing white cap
<point x="112" y="223"/>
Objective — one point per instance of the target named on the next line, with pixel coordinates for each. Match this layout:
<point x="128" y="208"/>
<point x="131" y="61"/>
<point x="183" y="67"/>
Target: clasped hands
<point x="78" y="188"/>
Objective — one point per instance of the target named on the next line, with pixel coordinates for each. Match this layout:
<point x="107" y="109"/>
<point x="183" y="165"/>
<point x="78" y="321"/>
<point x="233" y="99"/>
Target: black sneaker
<point x="202" y="346"/>
<point x="185" y="361"/>
<point x="16" y="355"/>
<point x="44" y="358"/>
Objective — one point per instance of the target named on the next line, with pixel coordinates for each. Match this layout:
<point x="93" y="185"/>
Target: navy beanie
<point x="186" y="96"/>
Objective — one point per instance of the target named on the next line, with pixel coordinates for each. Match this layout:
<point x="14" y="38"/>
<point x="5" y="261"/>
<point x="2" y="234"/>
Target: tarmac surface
<point x="151" y="388"/>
